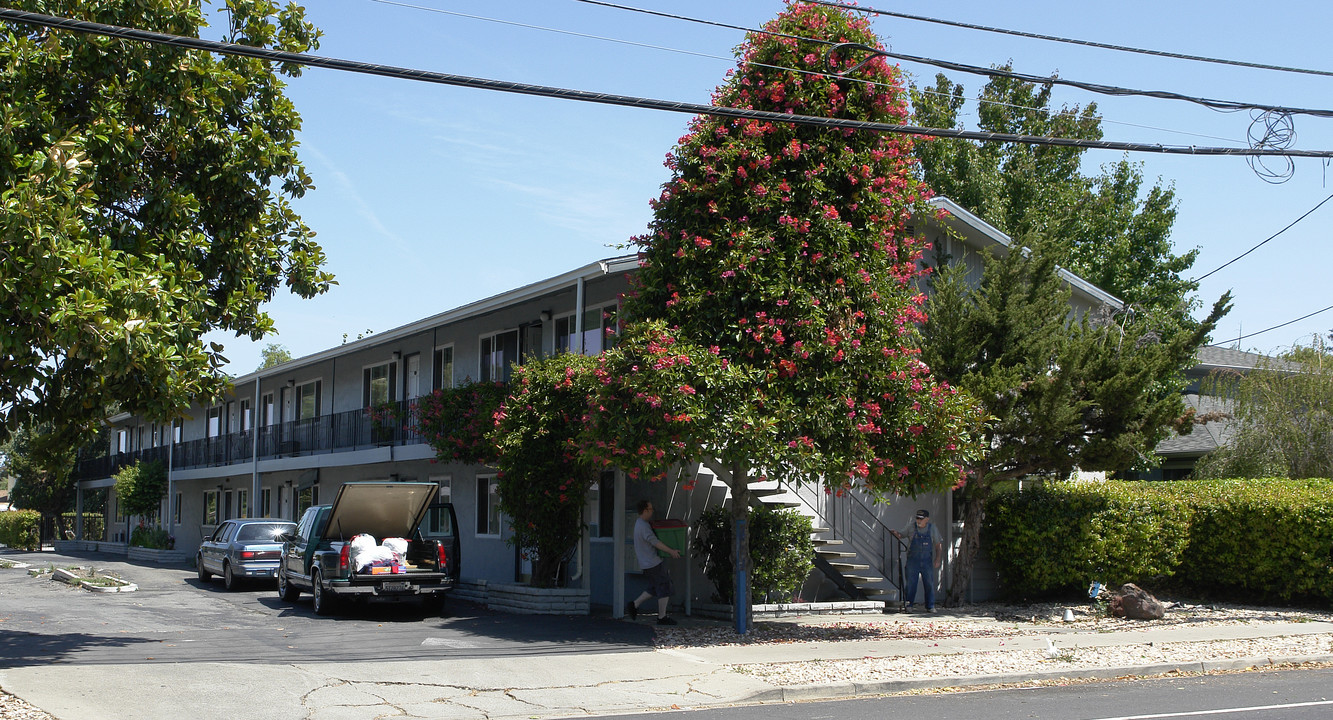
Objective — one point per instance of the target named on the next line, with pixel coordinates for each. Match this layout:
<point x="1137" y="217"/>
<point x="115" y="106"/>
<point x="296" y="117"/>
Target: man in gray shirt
<point x="654" y="570"/>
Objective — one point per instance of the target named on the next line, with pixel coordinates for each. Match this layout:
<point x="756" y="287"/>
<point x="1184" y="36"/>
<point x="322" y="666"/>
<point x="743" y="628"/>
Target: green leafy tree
<point x="145" y="200"/>
<point x="41" y="464"/>
<point x="140" y="488"/>
<point x="772" y="329"/>
<point x="1095" y="390"/>
<point x="1107" y="228"/>
<point x="273" y="354"/>
<point x="1282" y="415"/>
<point x="544" y="474"/>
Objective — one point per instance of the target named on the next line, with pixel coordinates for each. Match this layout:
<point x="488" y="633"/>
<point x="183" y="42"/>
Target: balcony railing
<point x="339" y="432"/>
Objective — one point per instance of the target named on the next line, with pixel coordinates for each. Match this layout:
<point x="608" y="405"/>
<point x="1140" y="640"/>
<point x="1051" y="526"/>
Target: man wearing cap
<point x="925" y="550"/>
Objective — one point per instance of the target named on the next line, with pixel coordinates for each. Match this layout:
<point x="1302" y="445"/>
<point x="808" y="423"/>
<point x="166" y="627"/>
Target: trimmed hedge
<point x="21" y="529"/>
<point x="1261" y="539"/>
<point x="1058" y="537"/>
<point x="781" y="551"/>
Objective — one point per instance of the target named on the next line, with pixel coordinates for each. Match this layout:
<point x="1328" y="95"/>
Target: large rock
<point x="1132" y="601"/>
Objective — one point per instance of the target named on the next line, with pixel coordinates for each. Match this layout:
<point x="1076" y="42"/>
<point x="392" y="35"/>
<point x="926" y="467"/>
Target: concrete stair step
<point x="817" y="530"/>
<point x="825" y="542"/>
<point x="832" y="555"/>
<point x="844" y="567"/>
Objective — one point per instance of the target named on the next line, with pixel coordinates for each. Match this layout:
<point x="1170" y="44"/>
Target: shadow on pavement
<point x="22" y="649"/>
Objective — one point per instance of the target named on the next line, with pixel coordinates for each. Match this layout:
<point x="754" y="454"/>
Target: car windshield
<point x="263" y="532"/>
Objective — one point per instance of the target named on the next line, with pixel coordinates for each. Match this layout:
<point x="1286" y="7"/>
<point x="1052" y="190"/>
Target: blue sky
<point x="429" y="197"/>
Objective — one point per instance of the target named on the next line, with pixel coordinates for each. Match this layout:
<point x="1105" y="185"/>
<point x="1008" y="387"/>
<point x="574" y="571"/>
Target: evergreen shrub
<point x="1269" y="540"/>
<point x="781" y="551"/>
<point x="20" y="529"/>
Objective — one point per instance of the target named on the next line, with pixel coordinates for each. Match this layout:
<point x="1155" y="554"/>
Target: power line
<point x="1265" y="241"/>
<point x="1072" y="41"/>
<point x="1275" y="327"/>
<point x="439" y="78"/>
<point x="908" y="58"/>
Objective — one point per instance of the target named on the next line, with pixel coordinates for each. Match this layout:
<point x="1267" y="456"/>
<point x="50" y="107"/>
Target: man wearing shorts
<point x="654" y="570"/>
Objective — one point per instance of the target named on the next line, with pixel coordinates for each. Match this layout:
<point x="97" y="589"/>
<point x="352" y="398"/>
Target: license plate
<point x="395" y="586"/>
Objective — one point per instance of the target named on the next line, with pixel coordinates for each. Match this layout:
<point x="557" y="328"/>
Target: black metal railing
<point x="337" y="432"/>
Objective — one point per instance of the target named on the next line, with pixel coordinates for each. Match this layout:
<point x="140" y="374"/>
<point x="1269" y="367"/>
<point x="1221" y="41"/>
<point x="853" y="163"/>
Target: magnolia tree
<point x="771" y="333"/>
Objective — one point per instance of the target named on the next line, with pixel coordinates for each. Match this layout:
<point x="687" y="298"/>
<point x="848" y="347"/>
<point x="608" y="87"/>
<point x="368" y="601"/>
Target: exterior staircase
<point x="846" y="557"/>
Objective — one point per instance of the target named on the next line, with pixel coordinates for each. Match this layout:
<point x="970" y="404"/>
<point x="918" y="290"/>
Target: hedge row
<point x="1259" y="539"/>
<point x="21" y="529"/>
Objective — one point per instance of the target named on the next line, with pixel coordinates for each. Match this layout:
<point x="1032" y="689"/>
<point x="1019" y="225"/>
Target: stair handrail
<point x="886" y="562"/>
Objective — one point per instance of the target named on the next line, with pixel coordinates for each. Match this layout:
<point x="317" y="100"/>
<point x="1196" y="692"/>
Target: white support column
<point x="618" y="544"/>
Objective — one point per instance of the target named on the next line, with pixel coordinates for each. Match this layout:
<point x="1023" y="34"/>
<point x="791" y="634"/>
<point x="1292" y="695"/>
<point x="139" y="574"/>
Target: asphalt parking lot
<point x="174" y="618"/>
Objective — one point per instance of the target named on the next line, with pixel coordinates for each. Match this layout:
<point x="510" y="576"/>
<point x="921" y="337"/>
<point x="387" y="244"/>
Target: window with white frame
<point x="499" y="354"/>
<point x="442" y="368"/>
<point x="596" y="322"/>
<point x="443" y="487"/>
<point x="214" y="427"/>
<point x="176" y="432"/>
<point x="488" y="505"/>
<point x="307" y="400"/>
<point x="122" y="441"/>
<point x="266" y="502"/>
<point x="269" y="410"/>
<point x="246" y="416"/>
<point x="141" y="437"/>
<point x="378" y="382"/>
<point x="210" y="507"/>
<point x="242" y="503"/>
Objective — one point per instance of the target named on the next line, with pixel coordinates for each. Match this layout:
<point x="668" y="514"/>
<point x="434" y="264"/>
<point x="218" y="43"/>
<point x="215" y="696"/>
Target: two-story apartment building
<point x="288" y="436"/>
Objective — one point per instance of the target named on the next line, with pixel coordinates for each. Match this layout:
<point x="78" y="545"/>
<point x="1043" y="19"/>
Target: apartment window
<point x="122" y="441"/>
<point x="596" y="321"/>
<point x="378" y="382"/>
<point x="444" y="487"/>
<point x="266" y="502"/>
<point x="139" y="439"/>
<point x="176" y="432"/>
<point x="442" y="369"/>
<point x="214" y="427"/>
<point x="227" y="417"/>
<point x="307" y="400"/>
<point x="245" y="416"/>
<point x="488" y="505"/>
<point x="266" y="406"/>
<point x="154" y="435"/>
<point x="210" y="507"/>
<point x="242" y="503"/>
<point x="176" y="511"/>
<point x="499" y="353"/>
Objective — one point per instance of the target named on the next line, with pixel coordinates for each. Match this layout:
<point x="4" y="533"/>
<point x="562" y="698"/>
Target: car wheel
<point x="323" y="600"/>
<point x="286" y="590"/>
<point x="229" y="580"/>
<point x="204" y="575"/>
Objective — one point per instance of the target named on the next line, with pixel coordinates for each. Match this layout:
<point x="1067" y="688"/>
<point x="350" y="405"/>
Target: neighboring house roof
<point x="1212" y="357"/>
<point x="1204" y="438"/>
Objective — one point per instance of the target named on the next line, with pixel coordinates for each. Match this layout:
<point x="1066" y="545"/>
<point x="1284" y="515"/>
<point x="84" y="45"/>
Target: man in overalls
<point x="925" y="551"/>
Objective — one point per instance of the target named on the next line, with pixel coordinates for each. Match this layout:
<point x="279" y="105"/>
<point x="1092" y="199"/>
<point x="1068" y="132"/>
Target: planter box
<point x="470" y="590"/>
<point x="153" y="555"/>
<point x="777" y="610"/>
<point x="525" y="600"/>
<point x="112" y="548"/>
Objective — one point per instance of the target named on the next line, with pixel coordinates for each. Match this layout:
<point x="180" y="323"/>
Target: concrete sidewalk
<point x="593" y="684"/>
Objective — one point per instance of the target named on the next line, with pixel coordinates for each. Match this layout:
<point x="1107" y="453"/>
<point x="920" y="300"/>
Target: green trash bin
<point x="672" y="533"/>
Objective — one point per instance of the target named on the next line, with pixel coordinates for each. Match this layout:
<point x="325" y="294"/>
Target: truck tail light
<point x="344" y="558"/>
<point x="441" y="556"/>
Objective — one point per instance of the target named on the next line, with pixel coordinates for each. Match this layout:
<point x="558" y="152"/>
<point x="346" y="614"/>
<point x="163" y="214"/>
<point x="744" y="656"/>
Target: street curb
<point x="849" y="689"/>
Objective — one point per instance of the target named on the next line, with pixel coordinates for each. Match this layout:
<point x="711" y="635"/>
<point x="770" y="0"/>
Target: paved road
<point x="174" y="618"/>
<point x="1272" y="695"/>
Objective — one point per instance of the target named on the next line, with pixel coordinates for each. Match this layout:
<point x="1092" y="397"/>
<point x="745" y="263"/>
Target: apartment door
<point x="412" y="377"/>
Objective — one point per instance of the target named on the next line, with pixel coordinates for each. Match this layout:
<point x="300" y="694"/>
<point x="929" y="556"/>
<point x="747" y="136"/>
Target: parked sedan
<point x="241" y="550"/>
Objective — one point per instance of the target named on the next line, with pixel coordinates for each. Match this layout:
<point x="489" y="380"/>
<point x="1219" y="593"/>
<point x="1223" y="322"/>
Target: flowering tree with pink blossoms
<point x="772" y="329"/>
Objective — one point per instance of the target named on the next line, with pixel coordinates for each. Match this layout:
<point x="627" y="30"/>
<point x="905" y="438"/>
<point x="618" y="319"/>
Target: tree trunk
<point x="974" y="509"/>
<point x="740" y="550"/>
<point x="545" y="568"/>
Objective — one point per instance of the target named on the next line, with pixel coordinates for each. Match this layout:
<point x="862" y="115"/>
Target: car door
<point x="294" y="550"/>
<point x="210" y="552"/>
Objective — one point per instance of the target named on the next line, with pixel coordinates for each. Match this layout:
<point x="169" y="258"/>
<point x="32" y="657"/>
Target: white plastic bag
<point x="398" y="545"/>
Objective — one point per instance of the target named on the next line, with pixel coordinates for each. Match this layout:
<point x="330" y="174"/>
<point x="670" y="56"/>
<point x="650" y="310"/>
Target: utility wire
<point x="1275" y="327"/>
<point x="1265" y="241"/>
<point x="1225" y="105"/>
<point x="728" y="59"/>
<point x="1072" y="41"/>
<point x="318" y="61"/>
<point x="742" y="28"/>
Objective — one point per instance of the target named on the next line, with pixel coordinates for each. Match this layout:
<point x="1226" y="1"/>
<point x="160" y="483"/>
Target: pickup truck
<point x="316" y="555"/>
